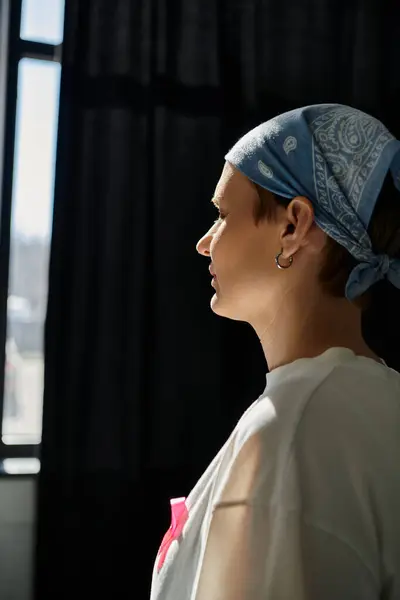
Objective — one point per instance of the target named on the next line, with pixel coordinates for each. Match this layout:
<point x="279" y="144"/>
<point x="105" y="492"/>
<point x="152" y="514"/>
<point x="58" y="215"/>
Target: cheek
<point x="241" y="253"/>
<point x="257" y="262"/>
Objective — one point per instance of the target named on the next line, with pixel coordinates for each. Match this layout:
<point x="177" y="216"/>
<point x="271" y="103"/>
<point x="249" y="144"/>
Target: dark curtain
<point x="142" y="382"/>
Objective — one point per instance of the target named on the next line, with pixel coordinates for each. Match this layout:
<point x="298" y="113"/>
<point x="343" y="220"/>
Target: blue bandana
<point x="338" y="157"/>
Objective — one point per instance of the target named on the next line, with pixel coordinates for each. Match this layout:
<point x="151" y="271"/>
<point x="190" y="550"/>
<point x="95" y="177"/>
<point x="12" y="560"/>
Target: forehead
<point x="233" y="185"/>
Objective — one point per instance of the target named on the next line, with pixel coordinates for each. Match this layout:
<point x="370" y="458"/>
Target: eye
<point x="221" y="217"/>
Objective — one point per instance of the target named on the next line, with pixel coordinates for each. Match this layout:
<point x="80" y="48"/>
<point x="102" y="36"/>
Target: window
<point x="42" y="21"/>
<point x="35" y="30"/>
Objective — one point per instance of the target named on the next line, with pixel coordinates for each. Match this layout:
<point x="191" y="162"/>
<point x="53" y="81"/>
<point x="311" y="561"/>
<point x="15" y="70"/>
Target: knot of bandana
<point x="365" y="274"/>
<point x="338" y="157"/>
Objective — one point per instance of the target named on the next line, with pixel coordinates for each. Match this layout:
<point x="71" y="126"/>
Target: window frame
<point x="12" y="49"/>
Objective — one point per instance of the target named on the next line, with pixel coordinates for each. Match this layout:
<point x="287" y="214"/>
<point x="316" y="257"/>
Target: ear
<point x="301" y="230"/>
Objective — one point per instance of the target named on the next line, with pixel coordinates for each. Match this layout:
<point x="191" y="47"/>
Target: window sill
<point x="19" y="466"/>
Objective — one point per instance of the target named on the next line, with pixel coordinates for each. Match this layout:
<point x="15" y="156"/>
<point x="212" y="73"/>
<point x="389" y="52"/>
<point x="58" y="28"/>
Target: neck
<point x="300" y="329"/>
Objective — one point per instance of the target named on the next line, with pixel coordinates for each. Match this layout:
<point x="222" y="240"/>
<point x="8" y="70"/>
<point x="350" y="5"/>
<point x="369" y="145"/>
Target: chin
<point x="218" y="308"/>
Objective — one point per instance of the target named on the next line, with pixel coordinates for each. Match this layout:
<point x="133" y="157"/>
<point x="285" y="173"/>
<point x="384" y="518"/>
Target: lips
<point x="211" y="271"/>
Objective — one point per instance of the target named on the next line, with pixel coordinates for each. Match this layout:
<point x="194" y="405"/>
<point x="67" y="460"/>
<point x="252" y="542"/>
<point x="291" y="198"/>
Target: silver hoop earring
<point x="278" y="264"/>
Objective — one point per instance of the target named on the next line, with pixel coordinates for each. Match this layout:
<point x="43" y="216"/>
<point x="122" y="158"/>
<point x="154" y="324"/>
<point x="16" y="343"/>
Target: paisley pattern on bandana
<point x="347" y="145"/>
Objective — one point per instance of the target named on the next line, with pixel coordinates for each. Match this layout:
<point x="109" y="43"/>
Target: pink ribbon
<point x="179" y="516"/>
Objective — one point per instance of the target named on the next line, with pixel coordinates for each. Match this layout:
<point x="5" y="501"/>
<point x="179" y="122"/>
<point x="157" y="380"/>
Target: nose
<point x="203" y="245"/>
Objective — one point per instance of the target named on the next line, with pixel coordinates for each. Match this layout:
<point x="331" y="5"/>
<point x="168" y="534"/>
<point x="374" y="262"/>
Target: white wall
<point x="17" y="516"/>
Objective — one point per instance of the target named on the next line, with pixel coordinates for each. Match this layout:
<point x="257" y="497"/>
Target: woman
<point x="303" y="500"/>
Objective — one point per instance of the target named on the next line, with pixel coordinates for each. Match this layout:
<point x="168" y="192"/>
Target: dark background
<point x="143" y="383"/>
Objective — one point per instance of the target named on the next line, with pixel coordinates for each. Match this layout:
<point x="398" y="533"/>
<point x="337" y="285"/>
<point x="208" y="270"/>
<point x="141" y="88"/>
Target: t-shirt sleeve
<point x="259" y="550"/>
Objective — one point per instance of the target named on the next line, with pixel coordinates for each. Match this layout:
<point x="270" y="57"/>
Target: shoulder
<point x="360" y="397"/>
<point x="347" y="419"/>
<point x="317" y="422"/>
<point x="347" y="442"/>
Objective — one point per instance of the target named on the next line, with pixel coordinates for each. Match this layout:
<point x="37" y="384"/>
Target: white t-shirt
<point x="303" y="500"/>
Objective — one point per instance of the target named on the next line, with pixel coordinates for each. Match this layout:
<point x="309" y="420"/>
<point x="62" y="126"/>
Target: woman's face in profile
<point x="242" y="253"/>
